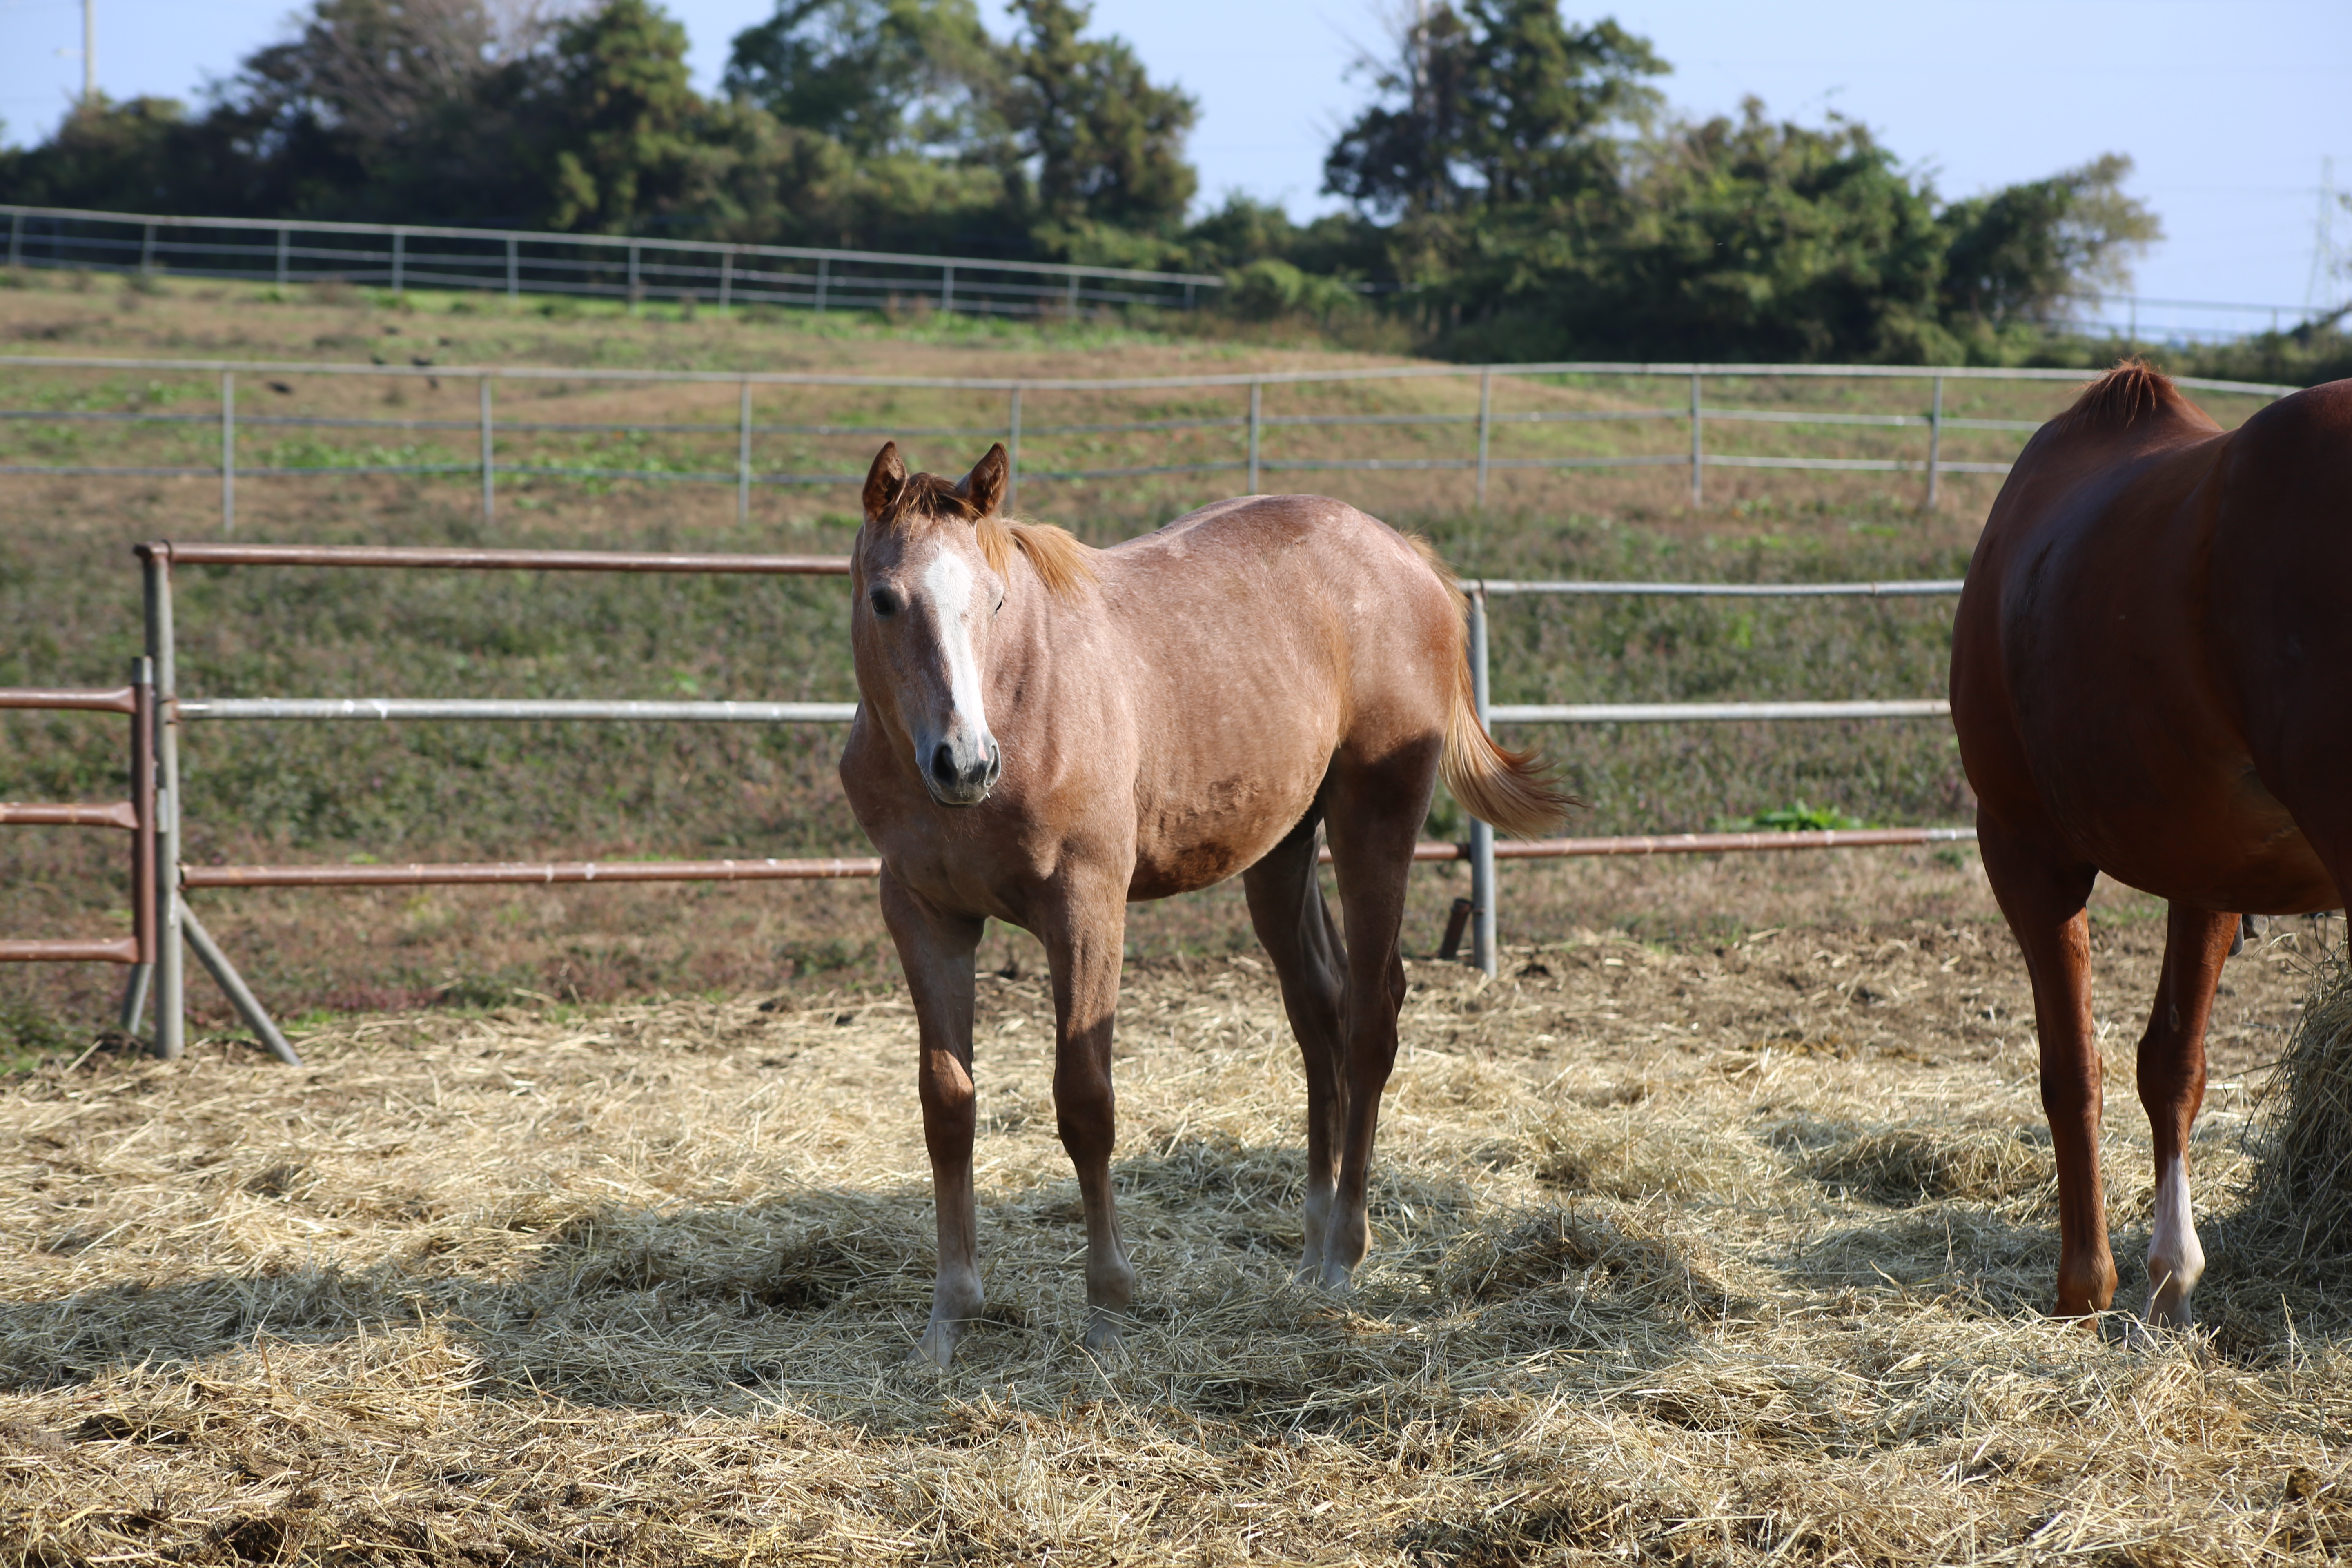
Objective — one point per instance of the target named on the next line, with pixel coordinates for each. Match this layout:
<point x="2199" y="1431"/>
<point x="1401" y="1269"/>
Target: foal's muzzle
<point x="959" y="775"/>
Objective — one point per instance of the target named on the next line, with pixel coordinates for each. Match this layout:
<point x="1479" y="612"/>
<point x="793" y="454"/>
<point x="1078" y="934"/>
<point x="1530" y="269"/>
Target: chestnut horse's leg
<point x="1375" y="812"/>
<point x="935" y="949"/>
<point x="2172" y="1087"/>
<point x="1293" y="923"/>
<point x="1085" y="932"/>
<point x="2042" y="891"/>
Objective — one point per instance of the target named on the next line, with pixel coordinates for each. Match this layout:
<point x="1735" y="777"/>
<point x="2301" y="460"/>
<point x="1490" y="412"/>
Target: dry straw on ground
<point x="2298" y="1209"/>
<point x="1709" y="1255"/>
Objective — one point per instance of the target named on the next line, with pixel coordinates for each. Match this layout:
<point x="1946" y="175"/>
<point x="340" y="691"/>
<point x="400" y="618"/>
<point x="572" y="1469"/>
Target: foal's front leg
<point x="936" y="949"/>
<point x="1083" y="938"/>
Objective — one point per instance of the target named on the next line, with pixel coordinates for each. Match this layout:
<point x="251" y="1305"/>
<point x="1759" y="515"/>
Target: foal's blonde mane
<point x="1060" y="560"/>
<point x="1061" y="563"/>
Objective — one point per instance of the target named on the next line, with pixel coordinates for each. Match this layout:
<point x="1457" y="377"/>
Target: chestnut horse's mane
<point x="1061" y="563"/>
<point x="2120" y="399"/>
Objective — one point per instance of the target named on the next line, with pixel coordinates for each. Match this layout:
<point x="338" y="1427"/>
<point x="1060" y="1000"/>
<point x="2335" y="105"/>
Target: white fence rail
<point x="1250" y="425"/>
<point x="514" y="262"/>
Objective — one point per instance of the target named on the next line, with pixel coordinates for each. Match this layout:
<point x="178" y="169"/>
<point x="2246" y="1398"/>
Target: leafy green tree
<point x="1752" y="238"/>
<point x="1107" y="142"/>
<point x="140" y="156"/>
<point x="623" y="118"/>
<point x="878" y="75"/>
<point x="2027" y="253"/>
<point x="1498" y="103"/>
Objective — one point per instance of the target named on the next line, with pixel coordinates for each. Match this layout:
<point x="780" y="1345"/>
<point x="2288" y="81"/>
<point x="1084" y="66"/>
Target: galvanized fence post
<point x="1698" y="452"/>
<point x="171" y="960"/>
<point x="240" y="996"/>
<point x="823" y="277"/>
<point x="743" y="455"/>
<point x="514" y="269"/>
<point x="1482" y="833"/>
<point x="1935" y="441"/>
<point x="1256" y="388"/>
<point x="490" y="459"/>
<point x="727" y="277"/>
<point x="15" y="239"/>
<point x="1071" y="304"/>
<point x="1486" y="412"/>
<point x="146" y="250"/>
<point x="399" y="261"/>
<point x="282" y="237"/>
<point x="634" y="290"/>
<point x="228" y="452"/>
<point x="1013" y="454"/>
<point x="947" y="287"/>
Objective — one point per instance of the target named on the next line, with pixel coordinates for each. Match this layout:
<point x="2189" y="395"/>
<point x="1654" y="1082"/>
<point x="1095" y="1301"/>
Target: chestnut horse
<point x="1046" y="732"/>
<point x="2152" y="677"/>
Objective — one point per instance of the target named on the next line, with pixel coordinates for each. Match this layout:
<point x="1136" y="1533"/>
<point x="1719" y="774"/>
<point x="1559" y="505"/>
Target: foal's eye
<point x="885" y="602"/>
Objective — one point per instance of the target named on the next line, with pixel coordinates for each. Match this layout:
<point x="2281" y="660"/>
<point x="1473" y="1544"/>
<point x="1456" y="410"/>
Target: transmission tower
<point x="2327" y="264"/>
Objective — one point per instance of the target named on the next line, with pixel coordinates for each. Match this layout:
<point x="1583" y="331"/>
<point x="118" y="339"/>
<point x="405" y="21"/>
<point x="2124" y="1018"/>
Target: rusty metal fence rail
<point x="1250" y="424"/>
<point x="161" y="711"/>
<point x="135" y="816"/>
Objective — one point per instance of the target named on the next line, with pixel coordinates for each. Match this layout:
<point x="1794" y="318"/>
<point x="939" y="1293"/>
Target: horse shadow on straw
<point x="634" y="1306"/>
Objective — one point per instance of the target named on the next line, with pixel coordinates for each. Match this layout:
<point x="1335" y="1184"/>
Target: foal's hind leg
<point x="1293" y="923"/>
<point x="2172" y="1087"/>
<point x="1374" y="812"/>
<point x="1085" y="933"/>
<point x="935" y="949"/>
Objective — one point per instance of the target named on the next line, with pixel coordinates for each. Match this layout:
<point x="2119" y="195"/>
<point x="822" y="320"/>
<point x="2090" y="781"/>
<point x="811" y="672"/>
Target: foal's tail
<point x="1513" y="790"/>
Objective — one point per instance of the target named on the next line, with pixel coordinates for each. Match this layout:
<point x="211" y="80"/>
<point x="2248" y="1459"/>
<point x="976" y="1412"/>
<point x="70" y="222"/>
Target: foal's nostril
<point x="943" y="767"/>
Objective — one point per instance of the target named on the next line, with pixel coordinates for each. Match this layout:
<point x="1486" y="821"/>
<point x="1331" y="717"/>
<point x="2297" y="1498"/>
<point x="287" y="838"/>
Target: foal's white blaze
<point x="948" y="584"/>
<point x="2175" y="1260"/>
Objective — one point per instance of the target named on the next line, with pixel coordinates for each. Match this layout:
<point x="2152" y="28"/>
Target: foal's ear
<point x="984" y="485"/>
<point x="883" y="481"/>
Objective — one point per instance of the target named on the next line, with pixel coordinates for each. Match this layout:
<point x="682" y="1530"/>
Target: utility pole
<point x="89" y="51"/>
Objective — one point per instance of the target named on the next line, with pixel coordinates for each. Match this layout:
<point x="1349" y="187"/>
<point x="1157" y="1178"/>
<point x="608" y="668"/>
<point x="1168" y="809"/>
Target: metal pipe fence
<point x="1250" y="425"/>
<point x="286" y="253"/>
<point x="135" y="816"/>
<point x="163" y="877"/>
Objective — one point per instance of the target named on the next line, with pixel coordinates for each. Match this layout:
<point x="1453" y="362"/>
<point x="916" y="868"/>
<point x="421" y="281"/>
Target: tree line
<point x="1516" y="185"/>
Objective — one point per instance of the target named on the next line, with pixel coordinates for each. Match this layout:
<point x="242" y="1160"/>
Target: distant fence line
<point x="515" y="262"/>
<point x="1249" y="427"/>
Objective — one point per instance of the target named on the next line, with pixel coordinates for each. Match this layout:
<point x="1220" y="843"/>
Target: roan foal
<point x="1047" y="733"/>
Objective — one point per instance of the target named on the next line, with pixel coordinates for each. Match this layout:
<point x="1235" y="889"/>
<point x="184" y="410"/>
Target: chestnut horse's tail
<point x="1513" y="790"/>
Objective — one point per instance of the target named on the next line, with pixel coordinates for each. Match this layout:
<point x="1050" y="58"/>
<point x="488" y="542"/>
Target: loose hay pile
<point x="2299" y="1201"/>
<point x="1680" y="1257"/>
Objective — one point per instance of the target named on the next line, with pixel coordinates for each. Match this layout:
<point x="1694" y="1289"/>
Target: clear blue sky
<point x="2227" y="109"/>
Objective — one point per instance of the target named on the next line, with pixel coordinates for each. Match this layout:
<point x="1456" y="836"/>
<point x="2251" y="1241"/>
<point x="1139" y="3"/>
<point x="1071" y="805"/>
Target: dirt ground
<point x="1704" y="1248"/>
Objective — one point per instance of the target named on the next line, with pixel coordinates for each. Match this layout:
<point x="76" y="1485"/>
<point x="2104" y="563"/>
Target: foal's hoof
<point x="1103" y="1341"/>
<point x="1338" y="1279"/>
<point x="938" y="1345"/>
